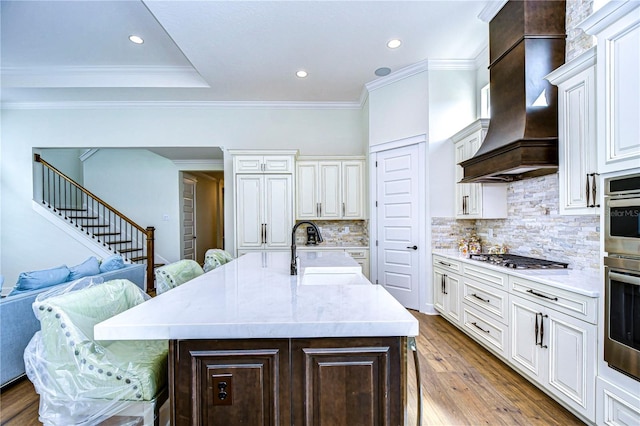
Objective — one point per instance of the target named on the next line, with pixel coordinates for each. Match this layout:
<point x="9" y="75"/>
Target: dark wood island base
<point x="318" y="381"/>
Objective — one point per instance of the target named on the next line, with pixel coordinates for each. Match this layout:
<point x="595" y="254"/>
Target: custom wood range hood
<point x="526" y="42"/>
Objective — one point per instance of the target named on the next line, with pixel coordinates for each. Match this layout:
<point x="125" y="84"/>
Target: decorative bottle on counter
<point x="475" y="246"/>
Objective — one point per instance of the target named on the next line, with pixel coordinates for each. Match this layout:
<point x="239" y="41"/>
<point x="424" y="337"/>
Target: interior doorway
<point x="202" y="213"/>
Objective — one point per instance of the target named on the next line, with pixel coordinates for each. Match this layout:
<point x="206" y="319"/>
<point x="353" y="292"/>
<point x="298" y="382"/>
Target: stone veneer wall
<point x="333" y="232"/>
<point x="533" y="227"/>
<point x="577" y="40"/>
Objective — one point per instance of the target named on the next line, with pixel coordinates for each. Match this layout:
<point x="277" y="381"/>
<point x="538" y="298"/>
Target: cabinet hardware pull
<point x="480" y="298"/>
<point x="536" y="329"/>
<point x="588" y="190"/>
<point x="542" y="316"/>
<point x="413" y="247"/>
<point x="444" y="284"/>
<point x="594" y="189"/>
<point x="265" y="233"/>
<point x="464" y="204"/>
<point x="542" y="295"/>
<point x="320" y="209"/>
<point x="343" y="209"/>
<point x="444" y="263"/>
<point x="480" y="328"/>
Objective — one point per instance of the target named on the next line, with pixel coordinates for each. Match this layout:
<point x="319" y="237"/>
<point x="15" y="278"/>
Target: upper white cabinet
<point x="617" y="29"/>
<point x="577" y="148"/>
<point x="476" y="200"/>
<point x="330" y="189"/>
<point x="263" y="199"/>
<point x="263" y="164"/>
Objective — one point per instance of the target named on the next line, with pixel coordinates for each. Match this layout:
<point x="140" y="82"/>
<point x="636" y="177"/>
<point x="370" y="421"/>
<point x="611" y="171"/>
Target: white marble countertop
<point x="581" y="282"/>
<point x="255" y="296"/>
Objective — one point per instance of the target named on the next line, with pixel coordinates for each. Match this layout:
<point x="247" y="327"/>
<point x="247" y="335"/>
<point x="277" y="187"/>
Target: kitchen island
<point x="251" y="344"/>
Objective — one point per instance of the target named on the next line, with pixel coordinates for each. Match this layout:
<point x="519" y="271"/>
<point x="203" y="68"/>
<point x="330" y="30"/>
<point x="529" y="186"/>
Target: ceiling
<point x="226" y="51"/>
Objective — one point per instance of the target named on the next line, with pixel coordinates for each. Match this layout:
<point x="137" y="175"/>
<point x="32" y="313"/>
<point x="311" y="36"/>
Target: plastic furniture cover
<point x="82" y="381"/>
<point x="216" y="257"/>
<point x="175" y="274"/>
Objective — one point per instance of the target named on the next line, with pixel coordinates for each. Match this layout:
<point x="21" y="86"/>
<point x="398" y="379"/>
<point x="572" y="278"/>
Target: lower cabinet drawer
<point x="489" y="332"/>
<point x="487" y="299"/>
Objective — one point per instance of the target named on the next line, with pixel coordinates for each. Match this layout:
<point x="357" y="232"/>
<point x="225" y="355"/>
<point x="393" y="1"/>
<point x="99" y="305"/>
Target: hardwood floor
<point x="462" y="384"/>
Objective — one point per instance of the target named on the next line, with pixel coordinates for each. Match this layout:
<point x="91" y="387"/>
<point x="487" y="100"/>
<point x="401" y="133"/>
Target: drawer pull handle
<point x="443" y="263"/>
<point x="542" y="295"/>
<point x="480" y="298"/>
<point x="480" y="328"/>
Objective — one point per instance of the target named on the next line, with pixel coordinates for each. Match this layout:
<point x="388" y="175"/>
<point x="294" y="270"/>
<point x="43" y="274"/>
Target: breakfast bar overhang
<point x="251" y="344"/>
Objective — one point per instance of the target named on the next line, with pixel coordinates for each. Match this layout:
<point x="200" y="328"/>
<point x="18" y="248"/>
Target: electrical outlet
<point x="165" y="217"/>
<point x="222" y="389"/>
<point x="489" y="233"/>
<point x="346" y="229"/>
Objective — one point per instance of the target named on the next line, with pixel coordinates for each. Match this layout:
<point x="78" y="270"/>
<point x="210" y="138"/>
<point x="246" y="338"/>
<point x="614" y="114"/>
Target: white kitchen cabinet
<point x="446" y="287"/>
<point x="577" y="148"/>
<point x="617" y="28"/>
<point x="330" y="189"/>
<point x="263" y="164"/>
<point x="476" y="200"/>
<point x="264" y="211"/>
<point x="556" y="351"/>
<point x="616" y="406"/>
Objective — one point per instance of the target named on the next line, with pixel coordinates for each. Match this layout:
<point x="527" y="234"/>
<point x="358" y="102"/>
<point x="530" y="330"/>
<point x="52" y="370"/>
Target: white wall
<point x="452" y="106"/>
<point x="29" y="241"/>
<point x="66" y="160"/>
<point x="399" y="110"/>
<point x="143" y="186"/>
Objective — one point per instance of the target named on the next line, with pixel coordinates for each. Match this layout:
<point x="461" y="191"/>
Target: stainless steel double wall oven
<point x="622" y="274"/>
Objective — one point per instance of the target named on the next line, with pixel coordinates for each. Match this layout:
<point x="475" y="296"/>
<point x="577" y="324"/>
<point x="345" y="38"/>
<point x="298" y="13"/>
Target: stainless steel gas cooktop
<point x="518" y="262"/>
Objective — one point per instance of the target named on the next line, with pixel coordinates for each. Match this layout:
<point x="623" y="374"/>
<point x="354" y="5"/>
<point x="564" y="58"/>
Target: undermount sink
<point x="333" y="278"/>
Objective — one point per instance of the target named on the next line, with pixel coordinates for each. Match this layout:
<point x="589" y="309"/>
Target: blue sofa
<point x="18" y="324"/>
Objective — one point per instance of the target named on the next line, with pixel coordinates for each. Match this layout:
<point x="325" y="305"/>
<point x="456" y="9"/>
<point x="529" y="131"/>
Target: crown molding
<point x="491" y="9"/>
<point x="106" y="76"/>
<point x="396" y="76"/>
<point x="88" y="153"/>
<point x="180" y="104"/>
<point x="578" y="64"/>
<point x="452" y="64"/>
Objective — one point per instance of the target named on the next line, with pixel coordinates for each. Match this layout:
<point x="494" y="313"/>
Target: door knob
<point x="413" y="247"/>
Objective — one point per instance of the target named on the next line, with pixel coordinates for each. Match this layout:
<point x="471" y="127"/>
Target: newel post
<point x="150" y="258"/>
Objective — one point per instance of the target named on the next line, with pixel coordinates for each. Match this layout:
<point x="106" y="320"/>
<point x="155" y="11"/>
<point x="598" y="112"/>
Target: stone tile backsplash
<point x="334" y="233"/>
<point x="533" y="227"/>
<point x="577" y="40"/>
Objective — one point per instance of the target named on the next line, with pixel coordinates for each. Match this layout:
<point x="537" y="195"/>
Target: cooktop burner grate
<point x="518" y="262"/>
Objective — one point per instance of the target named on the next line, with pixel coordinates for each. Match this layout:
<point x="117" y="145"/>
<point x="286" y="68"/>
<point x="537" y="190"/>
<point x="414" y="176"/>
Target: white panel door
<point x="398" y="223"/>
<point x="278" y="215"/>
<point x="188" y="219"/>
<point x="249" y="211"/>
<point x="330" y="194"/>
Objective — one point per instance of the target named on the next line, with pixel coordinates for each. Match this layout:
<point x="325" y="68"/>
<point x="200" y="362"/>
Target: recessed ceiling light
<point x="381" y="72"/>
<point x="136" y="39"/>
<point x="394" y="44"/>
<point x="301" y="74"/>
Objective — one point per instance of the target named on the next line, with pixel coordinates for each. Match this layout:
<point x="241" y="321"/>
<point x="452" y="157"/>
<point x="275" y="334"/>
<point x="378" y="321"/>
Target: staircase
<point x="98" y="220"/>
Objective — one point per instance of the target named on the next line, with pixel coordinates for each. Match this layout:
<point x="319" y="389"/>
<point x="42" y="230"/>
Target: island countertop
<point x="255" y="296"/>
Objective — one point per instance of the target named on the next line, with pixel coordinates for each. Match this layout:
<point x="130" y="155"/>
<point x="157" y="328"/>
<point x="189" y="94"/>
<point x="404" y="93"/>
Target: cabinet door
<point x="254" y="375"/>
<point x="249" y="211"/>
<point x="278" y="213"/>
<point x="577" y="144"/>
<point x="618" y="88"/>
<point x="248" y="164"/>
<point x="351" y="381"/>
<point x="572" y="358"/>
<point x="330" y="194"/>
<point x="352" y="189"/>
<point x="462" y="189"/>
<point x="525" y="353"/>
<point x="438" y="290"/>
<point x="453" y="284"/>
<point x="474" y="202"/>
<point x="307" y="190"/>
<point x="278" y="164"/>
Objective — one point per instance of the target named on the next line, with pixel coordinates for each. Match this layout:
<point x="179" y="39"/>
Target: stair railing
<point x="103" y="223"/>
